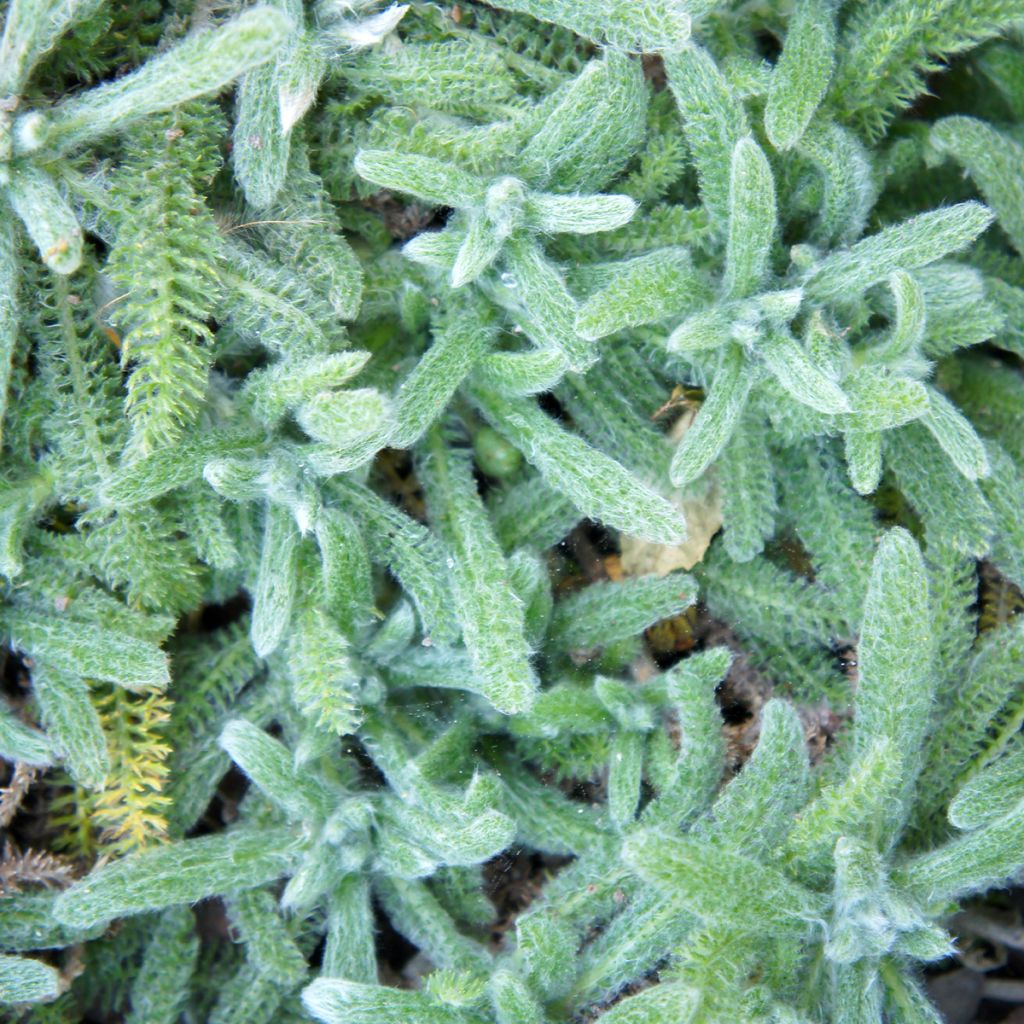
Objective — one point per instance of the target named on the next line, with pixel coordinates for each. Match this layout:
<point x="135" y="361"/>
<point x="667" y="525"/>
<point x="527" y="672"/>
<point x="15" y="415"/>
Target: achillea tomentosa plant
<point x="511" y="241"/>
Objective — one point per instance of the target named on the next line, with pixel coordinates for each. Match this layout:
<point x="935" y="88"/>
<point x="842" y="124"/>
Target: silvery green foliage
<point x="668" y="873"/>
<point x="19" y="742"/>
<point x="34" y="142"/>
<point x="273" y="97"/>
<point x="23" y="980"/>
<point x="844" y="882"/>
<point x="593" y="482"/>
<point x="491" y="613"/>
<point x="203" y="64"/>
<point x="160" y="989"/>
<point x="341" y="452"/>
<point x="652" y="26"/>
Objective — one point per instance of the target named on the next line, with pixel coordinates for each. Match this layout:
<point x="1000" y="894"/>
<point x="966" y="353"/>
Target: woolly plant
<point x="383" y="384"/>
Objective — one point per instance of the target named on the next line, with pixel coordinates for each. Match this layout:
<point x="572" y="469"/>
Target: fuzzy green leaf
<point x="491" y="615"/>
<point x="801" y="74"/>
<point x="648" y="27"/>
<point x="642" y="290"/>
<point x="275" y="580"/>
<point x="993" y="159"/>
<point x="714" y="121"/>
<point x="49" y="220"/>
<point x="597" y="485"/>
<point x="31" y="29"/>
<point x="956" y="436"/>
<point x="752" y="222"/>
<point x="19" y="742"/>
<point x="182" y="872"/>
<point x="715" y="421"/>
<point x="73" y="725"/>
<point x="335" y="1001"/>
<point x="793" y="369"/>
<point x="607" y="612"/>
<point x="161" y="986"/>
<point x="78" y="648"/>
<point x="994" y="792"/>
<point x="271" y="767"/>
<point x="424" y="177"/>
<point x="202" y="64"/>
<point x="23" y="980"/>
<point x="914" y="243"/>
<point x="724" y="888"/>
<point x="550" y="309"/>
<point x="426" y="392"/>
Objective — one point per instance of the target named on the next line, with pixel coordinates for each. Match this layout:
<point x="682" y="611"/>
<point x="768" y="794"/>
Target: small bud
<point x="494" y="455"/>
<point x="30" y="132"/>
<point x="505" y="204"/>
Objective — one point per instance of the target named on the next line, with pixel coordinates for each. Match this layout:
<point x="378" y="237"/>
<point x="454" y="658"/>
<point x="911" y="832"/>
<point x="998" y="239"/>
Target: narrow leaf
<point x="551" y="309"/>
<point x="161" y="987"/>
<point x="580" y="215"/>
<point x="260" y="146"/>
<point x="19" y="742"/>
<point x="49" y="220"/>
<point x="23" y="980"/>
<point x="864" y="459"/>
<point x="480" y="247"/>
<point x="31" y="29"/>
<point x="349" y="952"/>
<point x="8" y="310"/>
<point x="184" y="872"/>
<point x="994" y="792"/>
<point x="86" y="650"/>
<point x="897" y="678"/>
<point x="275" y="580"/>
<point x="625" y="772"/>
<point x="724" y="888"/>
<point x="426" y="392"/>
<point x="716" y="419"/>
<point x="793" y="369"/>
<point x="713" y="121"/>
<point x="751" y="220"/>
<point x="334" y="1001"/>
<point x="492" y="617"/>
<point x="642" y="290"/>
<point x="434" y="181"/>
<point x="993" y="159"/>
<point x="647" y="26"/>
<point x="607" y="612"/>
<point x="801" y="74"/>
<point x="201" y="64"/>
<point x="271" y="766"/>
<point x="597" y="485"/>
<point x="519" y="374"/>
<point x="917" y="242"/>
<point x="956" y="436"/>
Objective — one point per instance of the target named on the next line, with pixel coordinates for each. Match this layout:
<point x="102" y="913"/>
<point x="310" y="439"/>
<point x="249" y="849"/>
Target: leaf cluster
<point x="343" y="348"/>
